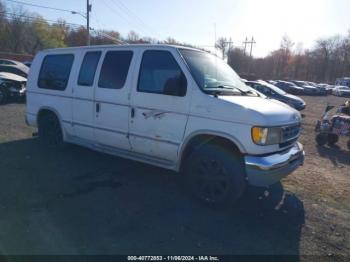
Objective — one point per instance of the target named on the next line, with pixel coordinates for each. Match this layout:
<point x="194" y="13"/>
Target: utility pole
<point x="252" y="42"/>
<point x="245" y="44"/>
<point x="215" y="37"/>
<point x="88" y="10"/>
<point x="230" y="45"/>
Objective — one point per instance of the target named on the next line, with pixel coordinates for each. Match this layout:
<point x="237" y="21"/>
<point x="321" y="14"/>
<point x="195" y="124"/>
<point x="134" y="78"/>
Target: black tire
<point x="332" y="139"/>
<point x="321" y="139"/>
<point x="3" y="95"/>
<point x="318" y="126"/>
<point x="348" y="144"/>
<point x="50" y="132"/>
<point x="215" y="175"/>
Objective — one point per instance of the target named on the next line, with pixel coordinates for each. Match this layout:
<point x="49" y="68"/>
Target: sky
<point x="194" y="21"/>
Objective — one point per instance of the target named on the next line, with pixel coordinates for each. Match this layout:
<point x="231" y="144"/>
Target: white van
<point x="169" y="106"/>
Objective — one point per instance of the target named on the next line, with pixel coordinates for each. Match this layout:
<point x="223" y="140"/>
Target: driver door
<point x="160" y="103"/>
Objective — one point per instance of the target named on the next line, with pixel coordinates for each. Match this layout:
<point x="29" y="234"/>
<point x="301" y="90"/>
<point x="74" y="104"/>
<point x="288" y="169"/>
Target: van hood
<point x="262" y="111"/>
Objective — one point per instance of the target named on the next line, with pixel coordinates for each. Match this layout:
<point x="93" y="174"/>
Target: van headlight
<point x="266" y="135"/>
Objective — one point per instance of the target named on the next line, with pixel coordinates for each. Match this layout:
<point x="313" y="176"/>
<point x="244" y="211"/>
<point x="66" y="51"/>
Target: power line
<point x="121" y="5"/>
<point x="111" y="7"/>
<point x="10" y="15"/>
<point x="85" y="15"/>
<point x="45" y="7"/>
<point x="114" y="9"/>
<point x="72" y="26"/>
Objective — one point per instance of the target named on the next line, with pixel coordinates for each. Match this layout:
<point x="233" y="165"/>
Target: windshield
<point x="210" y="71"/>
<point x="272" y="87"/>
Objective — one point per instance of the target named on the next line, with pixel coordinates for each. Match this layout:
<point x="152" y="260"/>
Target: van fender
<point x="189" y="138"/>
<point x="53" y="110"/>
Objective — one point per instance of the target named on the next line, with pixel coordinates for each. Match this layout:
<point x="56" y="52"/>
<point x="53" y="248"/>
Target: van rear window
<point x="55" y="71"/>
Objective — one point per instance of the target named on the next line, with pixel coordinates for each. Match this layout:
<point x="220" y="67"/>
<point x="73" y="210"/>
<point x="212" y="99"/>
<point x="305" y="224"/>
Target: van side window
<point x="88" y="68"/>
<point x="115" y="69"/>
<point x="55" y="71"/>
<point x="160" y="74"/>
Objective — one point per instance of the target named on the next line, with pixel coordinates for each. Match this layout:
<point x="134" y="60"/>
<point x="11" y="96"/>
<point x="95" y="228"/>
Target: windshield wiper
<point x="222" y="90"/>
<point x="227" y="89"/>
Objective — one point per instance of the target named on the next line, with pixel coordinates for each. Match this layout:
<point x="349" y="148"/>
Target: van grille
<point x="290" y="132"/>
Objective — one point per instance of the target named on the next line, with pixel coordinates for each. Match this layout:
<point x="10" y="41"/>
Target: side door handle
<point x="132" y="112"/>
<point x="97" y="107"/>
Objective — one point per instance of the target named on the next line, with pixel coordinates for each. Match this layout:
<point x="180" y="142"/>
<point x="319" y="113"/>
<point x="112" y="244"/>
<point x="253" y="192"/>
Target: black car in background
<point x="274" y="92"/>
<point x="289" y="87"/>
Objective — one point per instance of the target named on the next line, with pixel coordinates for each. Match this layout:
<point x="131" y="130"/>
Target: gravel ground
<point x="82" y="202"/>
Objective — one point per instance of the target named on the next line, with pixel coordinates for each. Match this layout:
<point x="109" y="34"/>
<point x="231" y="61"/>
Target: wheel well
<point x="45" y="112"/>
<point x="204" y="139"/>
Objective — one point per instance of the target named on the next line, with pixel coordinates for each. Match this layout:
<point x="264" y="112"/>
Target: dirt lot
<point x="82" y="202"/>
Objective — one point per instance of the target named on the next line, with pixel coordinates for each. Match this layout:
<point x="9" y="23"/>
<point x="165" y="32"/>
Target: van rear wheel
<point x="215" y="175"/>
<point x="50" y="132"/>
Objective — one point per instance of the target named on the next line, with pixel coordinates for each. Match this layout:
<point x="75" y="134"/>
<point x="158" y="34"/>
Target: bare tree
<point x="171" y="41"/>
<point x="221" y="44"/>
<point x="133" y="37"/>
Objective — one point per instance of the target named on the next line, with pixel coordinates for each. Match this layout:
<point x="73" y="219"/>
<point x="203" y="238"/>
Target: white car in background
<point x="341" y="91"/>
<point x="11" y="85"/>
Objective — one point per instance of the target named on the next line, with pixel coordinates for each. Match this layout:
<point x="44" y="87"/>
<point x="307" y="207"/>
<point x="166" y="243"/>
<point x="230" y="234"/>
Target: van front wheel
<point x="215" y="175"/>
<point x="50" y="132"/>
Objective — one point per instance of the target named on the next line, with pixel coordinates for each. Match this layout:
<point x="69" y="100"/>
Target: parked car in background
<point x="343" y="81"/>
<point x="341" y="91"/>
<point x="14" y="67"/>
<point x="322" y="89"/>
<point x="308" y="89"/>
<point x="327" y="87"/>
<point x="11" y="86"/>
<point x="158" y="104"/>
<point x="7" y="62"/>
<point x="274" y="92"/>
<point x="18" y="64"/>
<point x="28" y="63"/>
<point x="289" y="87"/>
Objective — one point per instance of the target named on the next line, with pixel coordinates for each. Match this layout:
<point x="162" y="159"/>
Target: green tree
<point x="49" y="36"/>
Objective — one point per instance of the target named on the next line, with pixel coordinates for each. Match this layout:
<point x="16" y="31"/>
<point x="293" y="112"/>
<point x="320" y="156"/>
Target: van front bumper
<point x="269" y="169"/>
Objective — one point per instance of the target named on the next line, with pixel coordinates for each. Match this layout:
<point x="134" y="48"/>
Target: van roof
<point x="120" y="46"/>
